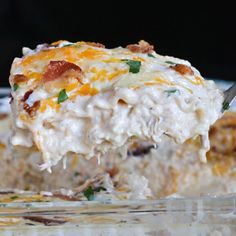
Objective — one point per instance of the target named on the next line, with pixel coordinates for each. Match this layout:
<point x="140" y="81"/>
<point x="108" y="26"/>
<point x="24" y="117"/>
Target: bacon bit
<point x="182" y="69"/>
<point x="212" y="131"/>
<point x="57" y="68"/>
<point x="6" y="192"/>
<point x="214" y="149"/>
<point x="65" y="197"/>
<point x="93" y="44"/>
<point x="229" y="126"/>
<point x="113" y="171"/>
<point x="122" y="102"/>
<point x="26" y="95"/>
<point x="45" y="221"/>
<point x="3" y="116"/>
<point x="31" y="110"/>
<point x="141" y="47"/>
<point x="19" y="78"/>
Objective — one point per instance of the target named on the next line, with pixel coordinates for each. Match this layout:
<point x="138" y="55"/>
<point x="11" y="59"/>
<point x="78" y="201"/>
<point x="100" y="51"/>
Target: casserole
<point x="175" y="215"/>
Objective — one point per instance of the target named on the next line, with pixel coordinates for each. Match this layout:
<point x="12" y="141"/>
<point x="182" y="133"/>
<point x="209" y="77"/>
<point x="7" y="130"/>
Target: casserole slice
<point x="85" y="99"/>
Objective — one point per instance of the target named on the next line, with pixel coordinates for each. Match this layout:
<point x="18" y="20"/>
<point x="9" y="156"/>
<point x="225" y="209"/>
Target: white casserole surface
<point x="110" y="105"/>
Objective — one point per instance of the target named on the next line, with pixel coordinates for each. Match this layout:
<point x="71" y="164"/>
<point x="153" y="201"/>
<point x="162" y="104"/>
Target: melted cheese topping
<point x="111" y="103"/>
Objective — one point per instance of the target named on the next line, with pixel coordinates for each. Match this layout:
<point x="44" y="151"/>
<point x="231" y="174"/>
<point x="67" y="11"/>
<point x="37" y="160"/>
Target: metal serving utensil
<point x="229" y="96"/>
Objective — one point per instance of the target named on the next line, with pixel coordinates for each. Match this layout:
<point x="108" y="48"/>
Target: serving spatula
<point x="229" y="96"/>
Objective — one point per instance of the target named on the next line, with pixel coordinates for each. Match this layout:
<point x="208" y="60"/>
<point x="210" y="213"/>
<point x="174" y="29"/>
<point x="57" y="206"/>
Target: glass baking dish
<point x="206" y="215"/>
<point x="172" y="216"/>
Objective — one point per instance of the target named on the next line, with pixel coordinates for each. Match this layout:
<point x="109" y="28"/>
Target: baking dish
<point x="207" y="215"/>
<point x="173" y="216"/>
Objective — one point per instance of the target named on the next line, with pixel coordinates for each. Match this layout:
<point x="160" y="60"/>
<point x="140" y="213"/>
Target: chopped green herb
<point x="225" y="107"/>
<point x="15" y="87"/>
<point x="134" y="66"/>
<point x="89" y="193"/>
<point x="170" y="91"/>
<point x="150" y="55"/>
<point x="62" y="96"/>
<point x="170" y="62"/>
<point x="14" y="197"/>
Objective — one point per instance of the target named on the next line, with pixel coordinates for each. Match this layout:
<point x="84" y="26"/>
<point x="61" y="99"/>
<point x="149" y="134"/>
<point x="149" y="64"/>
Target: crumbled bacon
<point x="19" y="78"/>
<point x="45" y="221"/>
<point x="31" y="110"/>
<point x="113" y="171"/>
<point x="2" y="117"/>
<point x="56" y="69"/>
<point x="98" y="45"/>
<point x="122" y="102"/>
<point x="6" y="192"/>
<point x="65" y="197"/>
<point x="141" y="47"/>
<point x="212" y="131"/>
<point x="26" y="95"/>
<point x="182" y="69"/>
<point x="229" y="126"/>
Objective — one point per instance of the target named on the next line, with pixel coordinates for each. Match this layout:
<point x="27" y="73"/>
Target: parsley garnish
<point x="89" y="192"/>
<point x="225" y="106"/>
<point x="14" y="197"/>
<point x="134" y="66"/>
<point x="62" y="96"/>
<point x="170" y="62"/>
<point x="150" y="55"/>
<point x="170" y="91"/>
<point x="15" y="87"/>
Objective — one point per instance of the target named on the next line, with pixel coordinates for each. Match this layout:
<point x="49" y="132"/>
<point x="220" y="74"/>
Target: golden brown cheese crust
<point x="223" y="138"/>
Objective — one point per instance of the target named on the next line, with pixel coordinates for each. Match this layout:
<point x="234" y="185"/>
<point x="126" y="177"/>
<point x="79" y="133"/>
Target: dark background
<point x="202" y="34"/>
